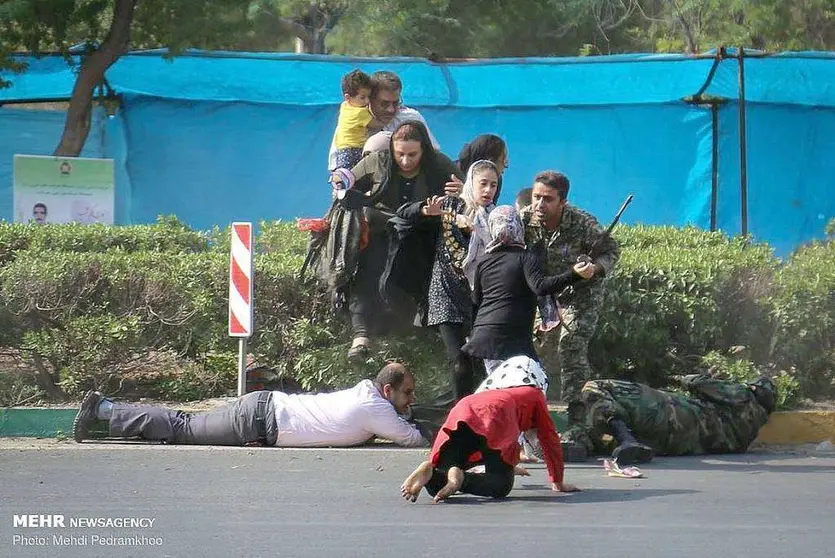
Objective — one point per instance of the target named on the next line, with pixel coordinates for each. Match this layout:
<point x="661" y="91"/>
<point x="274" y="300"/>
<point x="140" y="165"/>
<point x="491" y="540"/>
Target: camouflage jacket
<point x="707" y="416"/>
<point x="577" y="232"/>
<point x="731" y="417"/>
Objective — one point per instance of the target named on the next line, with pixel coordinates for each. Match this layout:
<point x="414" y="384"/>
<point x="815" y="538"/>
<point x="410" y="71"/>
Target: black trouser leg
<point x="461" y="366"/>
<point x="365" y="291"/>
<point x="495" y="482"/>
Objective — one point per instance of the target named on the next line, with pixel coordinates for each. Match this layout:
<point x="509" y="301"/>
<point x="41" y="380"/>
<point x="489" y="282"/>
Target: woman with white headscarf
<point x="507" y="281"/>
<point x="449" y="301"/>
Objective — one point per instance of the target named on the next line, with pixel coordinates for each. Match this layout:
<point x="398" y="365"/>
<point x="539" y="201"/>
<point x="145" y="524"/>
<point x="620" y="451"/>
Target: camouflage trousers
<point x="670" y="423"/>
<point x="580" y="315"/>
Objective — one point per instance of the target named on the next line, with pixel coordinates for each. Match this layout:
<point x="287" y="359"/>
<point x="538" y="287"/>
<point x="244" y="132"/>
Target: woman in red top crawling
<point x="484" y="428"/>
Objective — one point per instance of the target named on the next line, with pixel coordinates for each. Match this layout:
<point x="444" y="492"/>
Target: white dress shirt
<point x="403" y="114"/>
<point x="343" y="418"/>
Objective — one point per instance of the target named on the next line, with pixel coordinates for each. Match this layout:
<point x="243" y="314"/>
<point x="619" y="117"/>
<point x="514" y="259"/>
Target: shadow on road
<point x="585" y="497"/>
<point x="750" y="462"/>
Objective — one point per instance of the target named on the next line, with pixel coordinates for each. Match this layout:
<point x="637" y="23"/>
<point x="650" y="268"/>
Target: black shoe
<point x="630" y="453"/>
<point x="576" y="412"/>
<point x="86" y="415"/>
<point x="629" y="449"/>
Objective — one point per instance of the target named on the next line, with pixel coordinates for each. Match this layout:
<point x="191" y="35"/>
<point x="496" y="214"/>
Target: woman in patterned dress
<point x="450" y="303"/>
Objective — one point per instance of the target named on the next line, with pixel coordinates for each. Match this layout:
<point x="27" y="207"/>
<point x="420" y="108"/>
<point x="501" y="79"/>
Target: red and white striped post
<point x="240" y="294"/>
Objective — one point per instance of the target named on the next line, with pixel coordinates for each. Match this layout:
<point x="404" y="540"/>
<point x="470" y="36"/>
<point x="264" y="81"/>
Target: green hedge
<point x="677" y="294"/>
<point x="166" y="235"/>
<point x="804" y="317"/>
<point x="142" y="310"/>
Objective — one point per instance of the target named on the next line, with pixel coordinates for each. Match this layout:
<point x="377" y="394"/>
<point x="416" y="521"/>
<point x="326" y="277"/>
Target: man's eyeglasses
<point x="390" y="104"/>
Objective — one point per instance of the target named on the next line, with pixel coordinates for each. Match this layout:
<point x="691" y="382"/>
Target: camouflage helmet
<point x="765" y="392"/>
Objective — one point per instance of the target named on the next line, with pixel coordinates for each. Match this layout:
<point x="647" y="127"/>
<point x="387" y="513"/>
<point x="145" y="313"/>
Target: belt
<point x="261" y="416"/>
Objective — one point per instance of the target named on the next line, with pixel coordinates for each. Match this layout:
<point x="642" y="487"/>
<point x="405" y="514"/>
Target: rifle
<point x="587" y="258"/>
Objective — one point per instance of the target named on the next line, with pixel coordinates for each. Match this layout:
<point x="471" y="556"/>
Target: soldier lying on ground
<point x="343" y="418"/>
<point x="637" y="421"/>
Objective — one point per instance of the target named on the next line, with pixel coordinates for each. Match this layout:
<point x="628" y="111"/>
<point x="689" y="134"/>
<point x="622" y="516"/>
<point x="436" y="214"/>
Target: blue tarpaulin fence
<point x="215" y="137"/>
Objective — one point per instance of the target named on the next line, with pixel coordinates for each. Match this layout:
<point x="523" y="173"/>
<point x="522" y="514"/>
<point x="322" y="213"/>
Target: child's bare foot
<point x="414" y="483"/>
<point x="455" y="478"/>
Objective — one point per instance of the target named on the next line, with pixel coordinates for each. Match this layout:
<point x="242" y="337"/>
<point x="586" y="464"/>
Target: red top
<point x="501" y="415"/>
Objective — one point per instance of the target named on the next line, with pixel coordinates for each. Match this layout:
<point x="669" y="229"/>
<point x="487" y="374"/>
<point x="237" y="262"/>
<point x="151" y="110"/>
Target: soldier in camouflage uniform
<point x="562" y="233"/>
<point x="709" y="415"/>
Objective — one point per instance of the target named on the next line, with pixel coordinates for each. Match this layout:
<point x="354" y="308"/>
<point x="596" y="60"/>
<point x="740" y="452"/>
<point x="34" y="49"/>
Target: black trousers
<point x="365" y="303"/>
<point x="497" y="479"/>
<point x="461" y="365"/>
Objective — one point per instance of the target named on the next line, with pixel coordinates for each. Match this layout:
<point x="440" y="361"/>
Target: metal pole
<point x="241" y="366"/>
<point x="743" y="147"/>
<point x="714" y="166"/>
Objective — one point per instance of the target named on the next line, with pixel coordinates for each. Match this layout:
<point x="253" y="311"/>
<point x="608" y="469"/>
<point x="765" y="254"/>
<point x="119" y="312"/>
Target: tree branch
<point x="77" y="125"/>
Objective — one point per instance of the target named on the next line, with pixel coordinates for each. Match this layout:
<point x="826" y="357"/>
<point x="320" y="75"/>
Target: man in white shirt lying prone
<point x="343" y="418"/>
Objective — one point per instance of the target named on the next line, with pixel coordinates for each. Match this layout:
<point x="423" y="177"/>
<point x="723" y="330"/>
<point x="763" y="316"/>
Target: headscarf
<point x="485" y="146"/>
<point x="505" y="228"/>
<point x="516" y="371"/>
<point x="480" y="236"/>
<point x="468" y="192"/>
<point x="519" y="371"/>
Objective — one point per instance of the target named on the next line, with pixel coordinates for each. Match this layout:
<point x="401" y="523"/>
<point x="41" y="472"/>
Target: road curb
<point x="798" y="427"/>
<point x="785" y="427"/>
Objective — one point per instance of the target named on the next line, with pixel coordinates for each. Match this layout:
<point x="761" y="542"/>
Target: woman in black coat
<point x="507" y="281"/>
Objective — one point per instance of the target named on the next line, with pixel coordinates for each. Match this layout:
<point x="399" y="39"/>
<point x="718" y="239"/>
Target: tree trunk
<point x="46" y="380"/>
<point x="311" y="43"/>
<point x="690" y="44"/>
<point x="77" y="125"/>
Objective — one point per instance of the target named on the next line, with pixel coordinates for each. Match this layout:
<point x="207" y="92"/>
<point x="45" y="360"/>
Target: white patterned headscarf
<point x="516" y="371"/>
<point x="468" y="192"/>
<point x="505" y="228"/>
<point x="480" y="236"/>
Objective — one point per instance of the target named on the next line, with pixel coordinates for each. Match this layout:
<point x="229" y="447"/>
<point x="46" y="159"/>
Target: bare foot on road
<point x="414" y="483"/>
<point x="455" y="478"/>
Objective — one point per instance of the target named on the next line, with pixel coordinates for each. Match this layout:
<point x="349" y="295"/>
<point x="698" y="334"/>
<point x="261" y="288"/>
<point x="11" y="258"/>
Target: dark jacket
<point x="507" y="282"/>
<point x="395" y="215"/>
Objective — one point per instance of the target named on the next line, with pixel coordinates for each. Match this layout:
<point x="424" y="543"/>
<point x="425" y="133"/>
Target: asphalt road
<point x="344" y="503"/>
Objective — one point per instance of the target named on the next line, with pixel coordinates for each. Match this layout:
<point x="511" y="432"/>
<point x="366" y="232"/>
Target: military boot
<point x="576" y="412"/>
<point x="574" y="450"/>
<point x="629" y="449"/>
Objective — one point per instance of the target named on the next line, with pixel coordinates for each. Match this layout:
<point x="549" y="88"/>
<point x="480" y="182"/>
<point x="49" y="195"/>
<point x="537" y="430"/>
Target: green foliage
<point x="728" y="367"/>
<point x="323" y="365"/>
<point x="742" y="370"/>
<point x="86" y="349"/>
<point x="281" y="238"/>
<point x="679" y="300"/>
<point x="18" y="388"/>
<point x="215" y="376"/>
<point x="788" y="389"/>
<point x="675" y="295"/>
<point x="85" y="313"/>
<point x="167" y="235"/>
<point x="804" y="312"/>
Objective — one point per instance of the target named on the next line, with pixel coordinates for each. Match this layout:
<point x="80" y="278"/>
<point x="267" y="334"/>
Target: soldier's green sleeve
<point x="607" y="252"/>
<point x="717" y="391"/>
